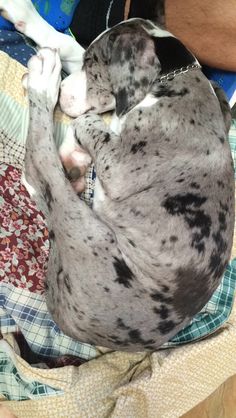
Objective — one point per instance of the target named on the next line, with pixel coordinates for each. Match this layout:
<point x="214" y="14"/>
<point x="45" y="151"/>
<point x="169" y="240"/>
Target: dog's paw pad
<point x="76" y="162"/>
<point x="79" y="185"/>
<point x="20" y="26"/>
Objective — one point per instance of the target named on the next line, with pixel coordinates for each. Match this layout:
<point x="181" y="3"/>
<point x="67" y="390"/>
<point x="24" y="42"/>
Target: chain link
<point x="179" y="71"/>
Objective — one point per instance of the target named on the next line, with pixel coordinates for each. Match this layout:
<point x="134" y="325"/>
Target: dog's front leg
<point x="110" y="153"/>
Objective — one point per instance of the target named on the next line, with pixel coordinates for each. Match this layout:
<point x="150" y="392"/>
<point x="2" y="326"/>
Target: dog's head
<point x="119" y="68"/>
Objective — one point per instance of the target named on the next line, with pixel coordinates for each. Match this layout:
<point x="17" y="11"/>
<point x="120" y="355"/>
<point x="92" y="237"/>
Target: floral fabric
<point x="24" y="241"/>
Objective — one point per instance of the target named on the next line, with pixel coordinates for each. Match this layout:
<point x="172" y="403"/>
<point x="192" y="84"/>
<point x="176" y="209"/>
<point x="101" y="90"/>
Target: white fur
<point x="148" y="101"/>
<point x="116" y="124"/>
<point x="73" y="100"/>
<point x="69" y="143"/>
<point x="99" y="195"/>
<point x="233" y="100"/>
<point x="27" y="20"/>
<point x="213" y="91"/>
<point x="28" y="187"/>
<point x="41" y="64"/>
<point x="158" y="32"/>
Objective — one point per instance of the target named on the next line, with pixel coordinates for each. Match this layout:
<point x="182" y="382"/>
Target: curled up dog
<point x="132" y="271"/>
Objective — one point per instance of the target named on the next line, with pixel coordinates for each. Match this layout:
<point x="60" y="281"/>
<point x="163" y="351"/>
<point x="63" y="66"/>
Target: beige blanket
<point x="121" y="385"/>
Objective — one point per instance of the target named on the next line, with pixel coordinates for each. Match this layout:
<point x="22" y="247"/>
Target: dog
<point x="132" y="271"/>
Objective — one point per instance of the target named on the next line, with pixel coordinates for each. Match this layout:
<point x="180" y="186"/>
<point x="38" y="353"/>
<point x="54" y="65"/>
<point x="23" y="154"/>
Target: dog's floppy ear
<point x="133" y="66"/>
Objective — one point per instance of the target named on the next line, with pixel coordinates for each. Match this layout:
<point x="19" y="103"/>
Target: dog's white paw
<point x="44" y="75"/>
<point x="18" y="12"/>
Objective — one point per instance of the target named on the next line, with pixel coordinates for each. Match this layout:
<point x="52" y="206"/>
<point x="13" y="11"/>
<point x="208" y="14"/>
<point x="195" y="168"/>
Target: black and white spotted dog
<point x="131" y="272"/>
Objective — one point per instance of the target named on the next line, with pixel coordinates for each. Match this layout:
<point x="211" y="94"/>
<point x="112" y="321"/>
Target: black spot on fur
<point x="132" y="243"/>
<point x="166" y="91"/>
<point x="166" y="326"/>
<point x="200" y="246"/>
<point x="48" y="196"/>
<point x="224" y="207"/>
<point x="136" y="212"/>
<point x="173" y="238"/>
<point x="194" y="289"/>
<point x="135" y="337"/>
<point x="220" y="184"/>
<point x="60" y="273"/>
<point x="222" y="221"/>
<point x="131" y="68"/>
<point x="121" y="325"/>
<point x="179" y="204"/>
<point x="138" y="147"/>
<point x="160" y="297"/>
<point x="107" y="138"/>
<point x="162" y="311"/>
<point x="217" y="265"/>
<point x="67" y="283"/>
<point x="123" y="272"/>
<point x="222" y="139"/>
<point x="51" y="235"/>
<point x="188" y="205"/>
<point x="195" y="185"/>
<point x="121" y="101"/>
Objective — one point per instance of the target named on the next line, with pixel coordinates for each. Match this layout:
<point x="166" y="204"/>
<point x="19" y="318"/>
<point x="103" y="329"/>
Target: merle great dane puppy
<point x="132" y="271"/>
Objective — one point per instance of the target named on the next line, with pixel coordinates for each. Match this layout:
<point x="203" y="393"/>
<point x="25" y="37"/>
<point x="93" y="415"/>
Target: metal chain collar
<point x="182" y="70"/>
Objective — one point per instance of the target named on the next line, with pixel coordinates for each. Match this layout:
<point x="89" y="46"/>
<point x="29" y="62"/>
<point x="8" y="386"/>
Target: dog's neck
<point x="174" y="57"/>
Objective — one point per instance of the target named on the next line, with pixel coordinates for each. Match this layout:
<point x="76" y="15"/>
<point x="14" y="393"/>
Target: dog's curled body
<point x="131" y="272"/>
